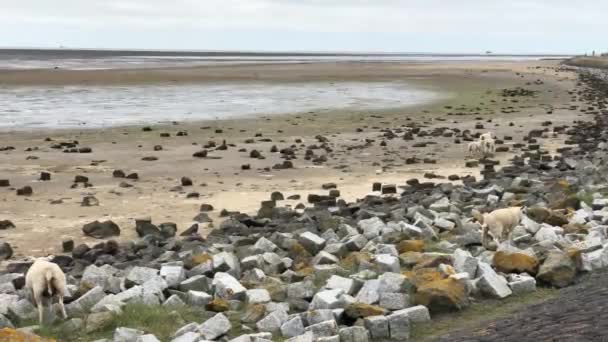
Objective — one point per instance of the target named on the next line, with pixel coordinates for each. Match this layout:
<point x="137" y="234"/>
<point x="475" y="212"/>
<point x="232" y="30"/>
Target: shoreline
<point x="355" y="158"/>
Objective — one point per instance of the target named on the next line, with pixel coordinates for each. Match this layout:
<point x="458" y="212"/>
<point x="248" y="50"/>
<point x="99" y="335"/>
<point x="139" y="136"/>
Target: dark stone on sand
<point x="193" y="195"/>
<point x="101" y="230"/>
<point x="502" y="149"/>
<point x="206" y="207"/>
<point x="389" y="189"/>
<point x="377" y="186"/>
<point x="85" y="150"/>
<point x="186" y="181"/>
<point x="145" y="227"/>
<point x="453" y="177"/>
<point x="165" y="135"/>
<point x="200" y="154"/>
<point x="168" y="229"/>
<point x="125" y="185"/>
<point x="202" y="218"/>
<point x="158" y="148"/>
<point x="471" y="163"/>
<point x="193" y="230"/>
<point x="146" y="129"/>
<point x="328" y="186"/>
<point x="276" y="196"/>
<point x="6" y="224"/>
<point x="45" y="176"/>
<point x="294" y="197"/>
<point x="5" y="182"/>
<point x="118" y="174"/>
<point x="245" y="167"/>
<point x="89" y="201"/>
<point x="334" y="193"/>
<point x="25" y="191"/>
<point x="67" y="246"/>
<point x="133" y="176"/>
<point x="6" y="251"/>
<point x="80" y="250"/>
<point x="149" y="158"/>
<point x="255" y="154"/>
<point x="81" y="179"/>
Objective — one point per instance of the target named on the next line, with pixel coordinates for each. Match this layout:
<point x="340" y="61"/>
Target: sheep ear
<point x="477" y="215"/>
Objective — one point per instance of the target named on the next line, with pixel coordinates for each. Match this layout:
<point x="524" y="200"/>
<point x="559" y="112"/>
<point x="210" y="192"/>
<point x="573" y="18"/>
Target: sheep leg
<point x="65" y="315"/>
<point x="40" y="305"/>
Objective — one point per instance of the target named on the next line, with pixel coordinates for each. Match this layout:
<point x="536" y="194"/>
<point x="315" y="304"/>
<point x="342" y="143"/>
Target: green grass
<point x="478" y="313"/>
<point x="155" y="320"/>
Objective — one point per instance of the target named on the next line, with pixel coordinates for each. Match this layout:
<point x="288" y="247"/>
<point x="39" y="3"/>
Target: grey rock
<point x="196" y="283"/>
<point x="347" y="284"/>
<point x="189" y="336"/>
<point x="139" y="275"/>
<point x="377" y="326"/>
<point x="492" y="284"/>
<point x="329" y="299"/>
<point x="311" y="242"/>
<point x="293" y="327"/>
<point x="371" y="227"/>
<point x="173" y="275"/>
<point x="399" y="326"/>
<point x="323" y="329"/>
<point x="301" y="290"/>
<point x="417" y="314"/>
<point x="464" y="262"/>
<point x="394" y="301"/>
<point x="147" y="338"/>
<point x="226" y="286"/>
<point x="520" y="284"/>
<point x="256" y="296"/>
<point x="354" y="334"/>
<point x="356" y="243"/>
<point x="387" y="263"/>
<point x="126" y="335"/>
<point x="369" y="293"/>
<point x="215" y="327"/>
<point x="84" y="303"/>
<point x="272" y="322"/>
<point x="392" y="282"/>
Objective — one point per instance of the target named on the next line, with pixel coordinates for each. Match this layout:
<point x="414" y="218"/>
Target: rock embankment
<point x="362" y="271"/>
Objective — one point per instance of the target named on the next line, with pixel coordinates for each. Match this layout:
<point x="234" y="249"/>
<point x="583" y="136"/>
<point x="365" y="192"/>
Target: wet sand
<point x="355" y="155"/>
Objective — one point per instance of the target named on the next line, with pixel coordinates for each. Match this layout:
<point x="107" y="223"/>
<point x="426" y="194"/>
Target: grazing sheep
<point x="474" y="149"/>
<point x="45" y="278"/>
<point x="498" y="224"/>
<point x="488" y="147"/>
<point x="487" y="136"/>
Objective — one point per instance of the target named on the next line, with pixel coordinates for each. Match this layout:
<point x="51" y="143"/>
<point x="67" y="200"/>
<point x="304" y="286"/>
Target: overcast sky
<point x="510" y="26"/>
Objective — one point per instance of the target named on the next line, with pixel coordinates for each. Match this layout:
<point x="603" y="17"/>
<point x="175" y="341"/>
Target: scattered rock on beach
<point x="101" y="230"/>
<point x="6" y="224"/>
<point x="6" y="251"/>
<point x="25" y="191"/>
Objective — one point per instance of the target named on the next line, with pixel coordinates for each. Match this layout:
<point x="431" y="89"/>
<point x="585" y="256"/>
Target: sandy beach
<point x="350" y="148"/>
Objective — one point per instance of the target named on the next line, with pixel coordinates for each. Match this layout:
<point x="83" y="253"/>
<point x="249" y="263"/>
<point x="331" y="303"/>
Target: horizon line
<point x="282" y="52"/>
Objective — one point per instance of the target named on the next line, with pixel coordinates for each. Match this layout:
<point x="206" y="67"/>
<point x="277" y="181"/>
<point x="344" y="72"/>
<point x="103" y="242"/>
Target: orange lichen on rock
<point x="410" y="246"/>
<point x="12" y="335"/>
<point x="362" y="310"/>
<point x="515" y="263"/>
<point x="442" y="294"/>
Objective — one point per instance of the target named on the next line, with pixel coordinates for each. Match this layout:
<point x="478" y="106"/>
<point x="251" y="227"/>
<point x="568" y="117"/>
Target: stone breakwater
<point x="363" y="271"/>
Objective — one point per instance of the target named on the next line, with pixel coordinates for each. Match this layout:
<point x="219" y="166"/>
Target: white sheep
<point x="487" y="136"/>
<point x="474" y="148"/>
<point x="498" y="224"/>
<point x="488" y="147"/>
<point x="45" y="278"/>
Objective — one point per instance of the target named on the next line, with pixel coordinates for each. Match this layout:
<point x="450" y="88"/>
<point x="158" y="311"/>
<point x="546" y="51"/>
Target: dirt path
<point x="577" y="313"/>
